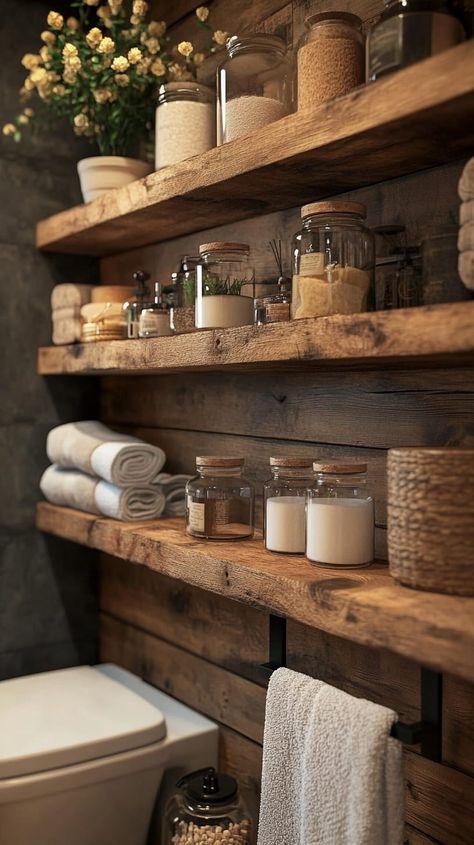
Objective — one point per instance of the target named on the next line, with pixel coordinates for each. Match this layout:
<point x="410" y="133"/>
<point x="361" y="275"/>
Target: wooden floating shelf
<point x="434" y="333"/>
<point x="416" y="118"/>
<point x="363" y="605"/>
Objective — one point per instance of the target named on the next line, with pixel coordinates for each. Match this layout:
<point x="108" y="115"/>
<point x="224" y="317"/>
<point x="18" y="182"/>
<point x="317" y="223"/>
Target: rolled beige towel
<point x="466" y="212"/>
<point x="70" y="295"/>
<point x="466" y="237"/>
<point x="74" y="489"/>
<point x="94" y="448"/>
<point x="466" y="268"/>
<point x="66" y="324"/>
<point x="466" y="182"/>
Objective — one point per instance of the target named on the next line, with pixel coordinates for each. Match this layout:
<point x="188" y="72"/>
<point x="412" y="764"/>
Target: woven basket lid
<point x="341" y="468"/>
<point x="286" y="461"/>
<point x="219" y="461"/>
<point x="223" y="246"/>
<point x="334" y="207"/>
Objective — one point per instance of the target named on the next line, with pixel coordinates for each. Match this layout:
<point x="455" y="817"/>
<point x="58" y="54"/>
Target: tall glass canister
<point x="333" y="260"/>
<point x="284" y="504"/>
<point x="225" y="286"/>
<point x="254" y="85"/>
<point x="185" y="122"/>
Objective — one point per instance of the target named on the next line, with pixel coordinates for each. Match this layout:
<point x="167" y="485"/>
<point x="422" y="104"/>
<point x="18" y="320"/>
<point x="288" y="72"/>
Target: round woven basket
<point x="431" y="519"/>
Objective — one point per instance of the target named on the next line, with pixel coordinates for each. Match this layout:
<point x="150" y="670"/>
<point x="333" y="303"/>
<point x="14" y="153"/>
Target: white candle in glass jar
<point x="340" y="531"/>
<point x="285" y="524"/>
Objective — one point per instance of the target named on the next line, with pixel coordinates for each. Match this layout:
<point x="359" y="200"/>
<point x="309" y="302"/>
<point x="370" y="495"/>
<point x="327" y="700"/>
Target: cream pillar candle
<point x="340" y="531"/>
<point x="285" y="524"/>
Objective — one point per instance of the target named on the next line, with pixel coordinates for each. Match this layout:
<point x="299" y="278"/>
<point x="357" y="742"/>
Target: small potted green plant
<point x="101" y="70"/>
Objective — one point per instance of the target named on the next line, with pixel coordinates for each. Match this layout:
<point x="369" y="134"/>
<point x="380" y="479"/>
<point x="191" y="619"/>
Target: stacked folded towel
<point x="173" y="488"/>
<point x="66" y="303"/>
<point x="466" y="231"/>
<point x="102" y="471"/>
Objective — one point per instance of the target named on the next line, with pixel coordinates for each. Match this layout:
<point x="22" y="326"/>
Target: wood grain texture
<point x="412" y="119"/>
<point x="404" y="335"/>
<point x="438" y="798"/>
<point x="365" y="606"/>
<point x="434" y="407"/>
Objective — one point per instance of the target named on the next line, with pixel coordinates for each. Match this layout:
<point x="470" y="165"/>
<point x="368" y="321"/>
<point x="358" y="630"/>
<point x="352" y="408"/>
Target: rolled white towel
<point x="93" y="448"/>
<point x="466" y="237"/>
<point x="74" y="489"/>
<point x="466" y="182"/>
<point x="67" y="295"/>
<point x="466" y="212"/>
<point x="173" y="487"/>
<point x="466" y="268"/>
<point x="66" y="330"/>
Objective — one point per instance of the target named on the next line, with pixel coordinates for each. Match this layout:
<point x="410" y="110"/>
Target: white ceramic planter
<point x="99" y="174"/>
<point x="224" y="311"/>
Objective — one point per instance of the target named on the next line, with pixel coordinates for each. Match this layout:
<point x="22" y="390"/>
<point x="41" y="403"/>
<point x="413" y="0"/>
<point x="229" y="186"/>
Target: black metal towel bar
<point x="427" y="732"/>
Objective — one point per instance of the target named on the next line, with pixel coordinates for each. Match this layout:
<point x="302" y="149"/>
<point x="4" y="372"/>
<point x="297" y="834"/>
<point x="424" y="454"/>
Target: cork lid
<point x="219" y="461"/>
<point x="341" y="468"/>
<point x="322" y="17"/>
<point x="334" y="207"/>
<point x="285" y="461"/>
<point x="223" y="246"/>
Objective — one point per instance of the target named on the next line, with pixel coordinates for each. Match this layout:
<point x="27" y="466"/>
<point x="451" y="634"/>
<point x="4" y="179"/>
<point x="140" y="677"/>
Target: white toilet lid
<point x="60" y="718"/>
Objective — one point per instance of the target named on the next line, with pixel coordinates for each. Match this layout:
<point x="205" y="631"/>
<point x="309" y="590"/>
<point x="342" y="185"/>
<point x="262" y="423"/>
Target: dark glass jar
<point x="409" y="31"/>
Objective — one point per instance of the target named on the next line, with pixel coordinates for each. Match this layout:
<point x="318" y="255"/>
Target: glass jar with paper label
<point x="333" y="261"/>
<point x="284" y="504"/>
<point x="219" y="501"/>
<point x="340" y="516"/>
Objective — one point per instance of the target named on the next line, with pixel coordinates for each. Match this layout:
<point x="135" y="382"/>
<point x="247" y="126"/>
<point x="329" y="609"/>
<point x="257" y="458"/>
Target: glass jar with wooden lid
<point x="339" y="515"/>
<point x="284" y="503"/>
<point x="225" y="286"/>
<point x="333" y="257"/>
<point x="331" y="57"/>
<point x="219" y="501"/>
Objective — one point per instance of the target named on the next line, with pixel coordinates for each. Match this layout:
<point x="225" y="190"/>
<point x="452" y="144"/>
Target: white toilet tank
<point x="83" y="752"/>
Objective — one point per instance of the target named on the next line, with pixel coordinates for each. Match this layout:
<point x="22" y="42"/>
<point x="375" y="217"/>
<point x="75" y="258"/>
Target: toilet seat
<point x="71" y="716"/>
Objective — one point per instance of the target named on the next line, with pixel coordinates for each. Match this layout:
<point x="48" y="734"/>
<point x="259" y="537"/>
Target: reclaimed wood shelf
<point x="416" y="118"/>
<point x="363" y="605"/>
<point x="437" y="333"/>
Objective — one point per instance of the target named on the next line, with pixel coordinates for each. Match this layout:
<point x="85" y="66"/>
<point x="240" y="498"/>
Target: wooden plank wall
<point x="206" y="650"/>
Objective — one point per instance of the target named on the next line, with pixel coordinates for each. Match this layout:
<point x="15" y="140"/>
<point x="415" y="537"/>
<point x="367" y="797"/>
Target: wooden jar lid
<point x="223" y="246"/>
<point x="111" y="293"/>
<point x="340" y="468"/>
<point x="334" y="207"/>
<point x="431" y="518"/>
<point x="285" y="461"/>
<point x="219" y="461"/>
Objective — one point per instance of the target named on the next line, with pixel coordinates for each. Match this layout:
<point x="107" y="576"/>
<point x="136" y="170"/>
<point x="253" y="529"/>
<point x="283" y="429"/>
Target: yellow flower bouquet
<point x="102" y="70"/>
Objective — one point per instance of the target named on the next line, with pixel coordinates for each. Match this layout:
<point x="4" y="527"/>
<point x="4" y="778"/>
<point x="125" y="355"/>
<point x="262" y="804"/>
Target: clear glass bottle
<point x="409" y="31"/>
<point x="340" y="516"/>
<point x="154" y="320"/>
<point x="331" y="57"/>
<point x="133" y="306"/>
<point x="225" y="286"/>
<point x="205" y="808"/>
<point x="185" y="123"/>
<point x="182" y="315"/>
<point x="284" y="497"/>
<point x="219" y="502"/>
<point x="254" y="85"/>
<point x="333" y="257"/>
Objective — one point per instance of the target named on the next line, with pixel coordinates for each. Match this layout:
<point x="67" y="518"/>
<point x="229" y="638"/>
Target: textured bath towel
<point x="66" y="325"/>
<point x="74" y="489"/>
<point x="173" y="488"/>
<point x="466" y="268"/>
<point x="332" y="775"/>
<point x="466" y="182"/>
<point x="93" y="448"/>
<point x="466" y="212"/>
<point x="466" y="237"/>
<point x="70" y="295"/>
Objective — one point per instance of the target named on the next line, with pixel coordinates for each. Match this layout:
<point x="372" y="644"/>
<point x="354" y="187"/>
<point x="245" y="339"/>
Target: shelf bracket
<point x="427" y="733"/>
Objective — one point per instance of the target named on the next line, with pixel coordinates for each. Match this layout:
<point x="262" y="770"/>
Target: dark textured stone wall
<point x="48" y="613"/>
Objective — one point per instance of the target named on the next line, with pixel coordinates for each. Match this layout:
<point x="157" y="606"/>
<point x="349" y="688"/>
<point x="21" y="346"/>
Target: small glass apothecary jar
<point x="219" y="502"/>
<point x="182" y="315"/>
<point x="225" y="286"/>
<point x="409" y="31"/>
<point x="284" y="504"/>
<point x="185" y="122"/>
<point x="207" y="808"/>
<point x="340" y="516"/>
<point x="331" y="57"/>
<point x="254" y="85"/>
<point x="154" y="319"/>
<point x="333" y="261"/>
